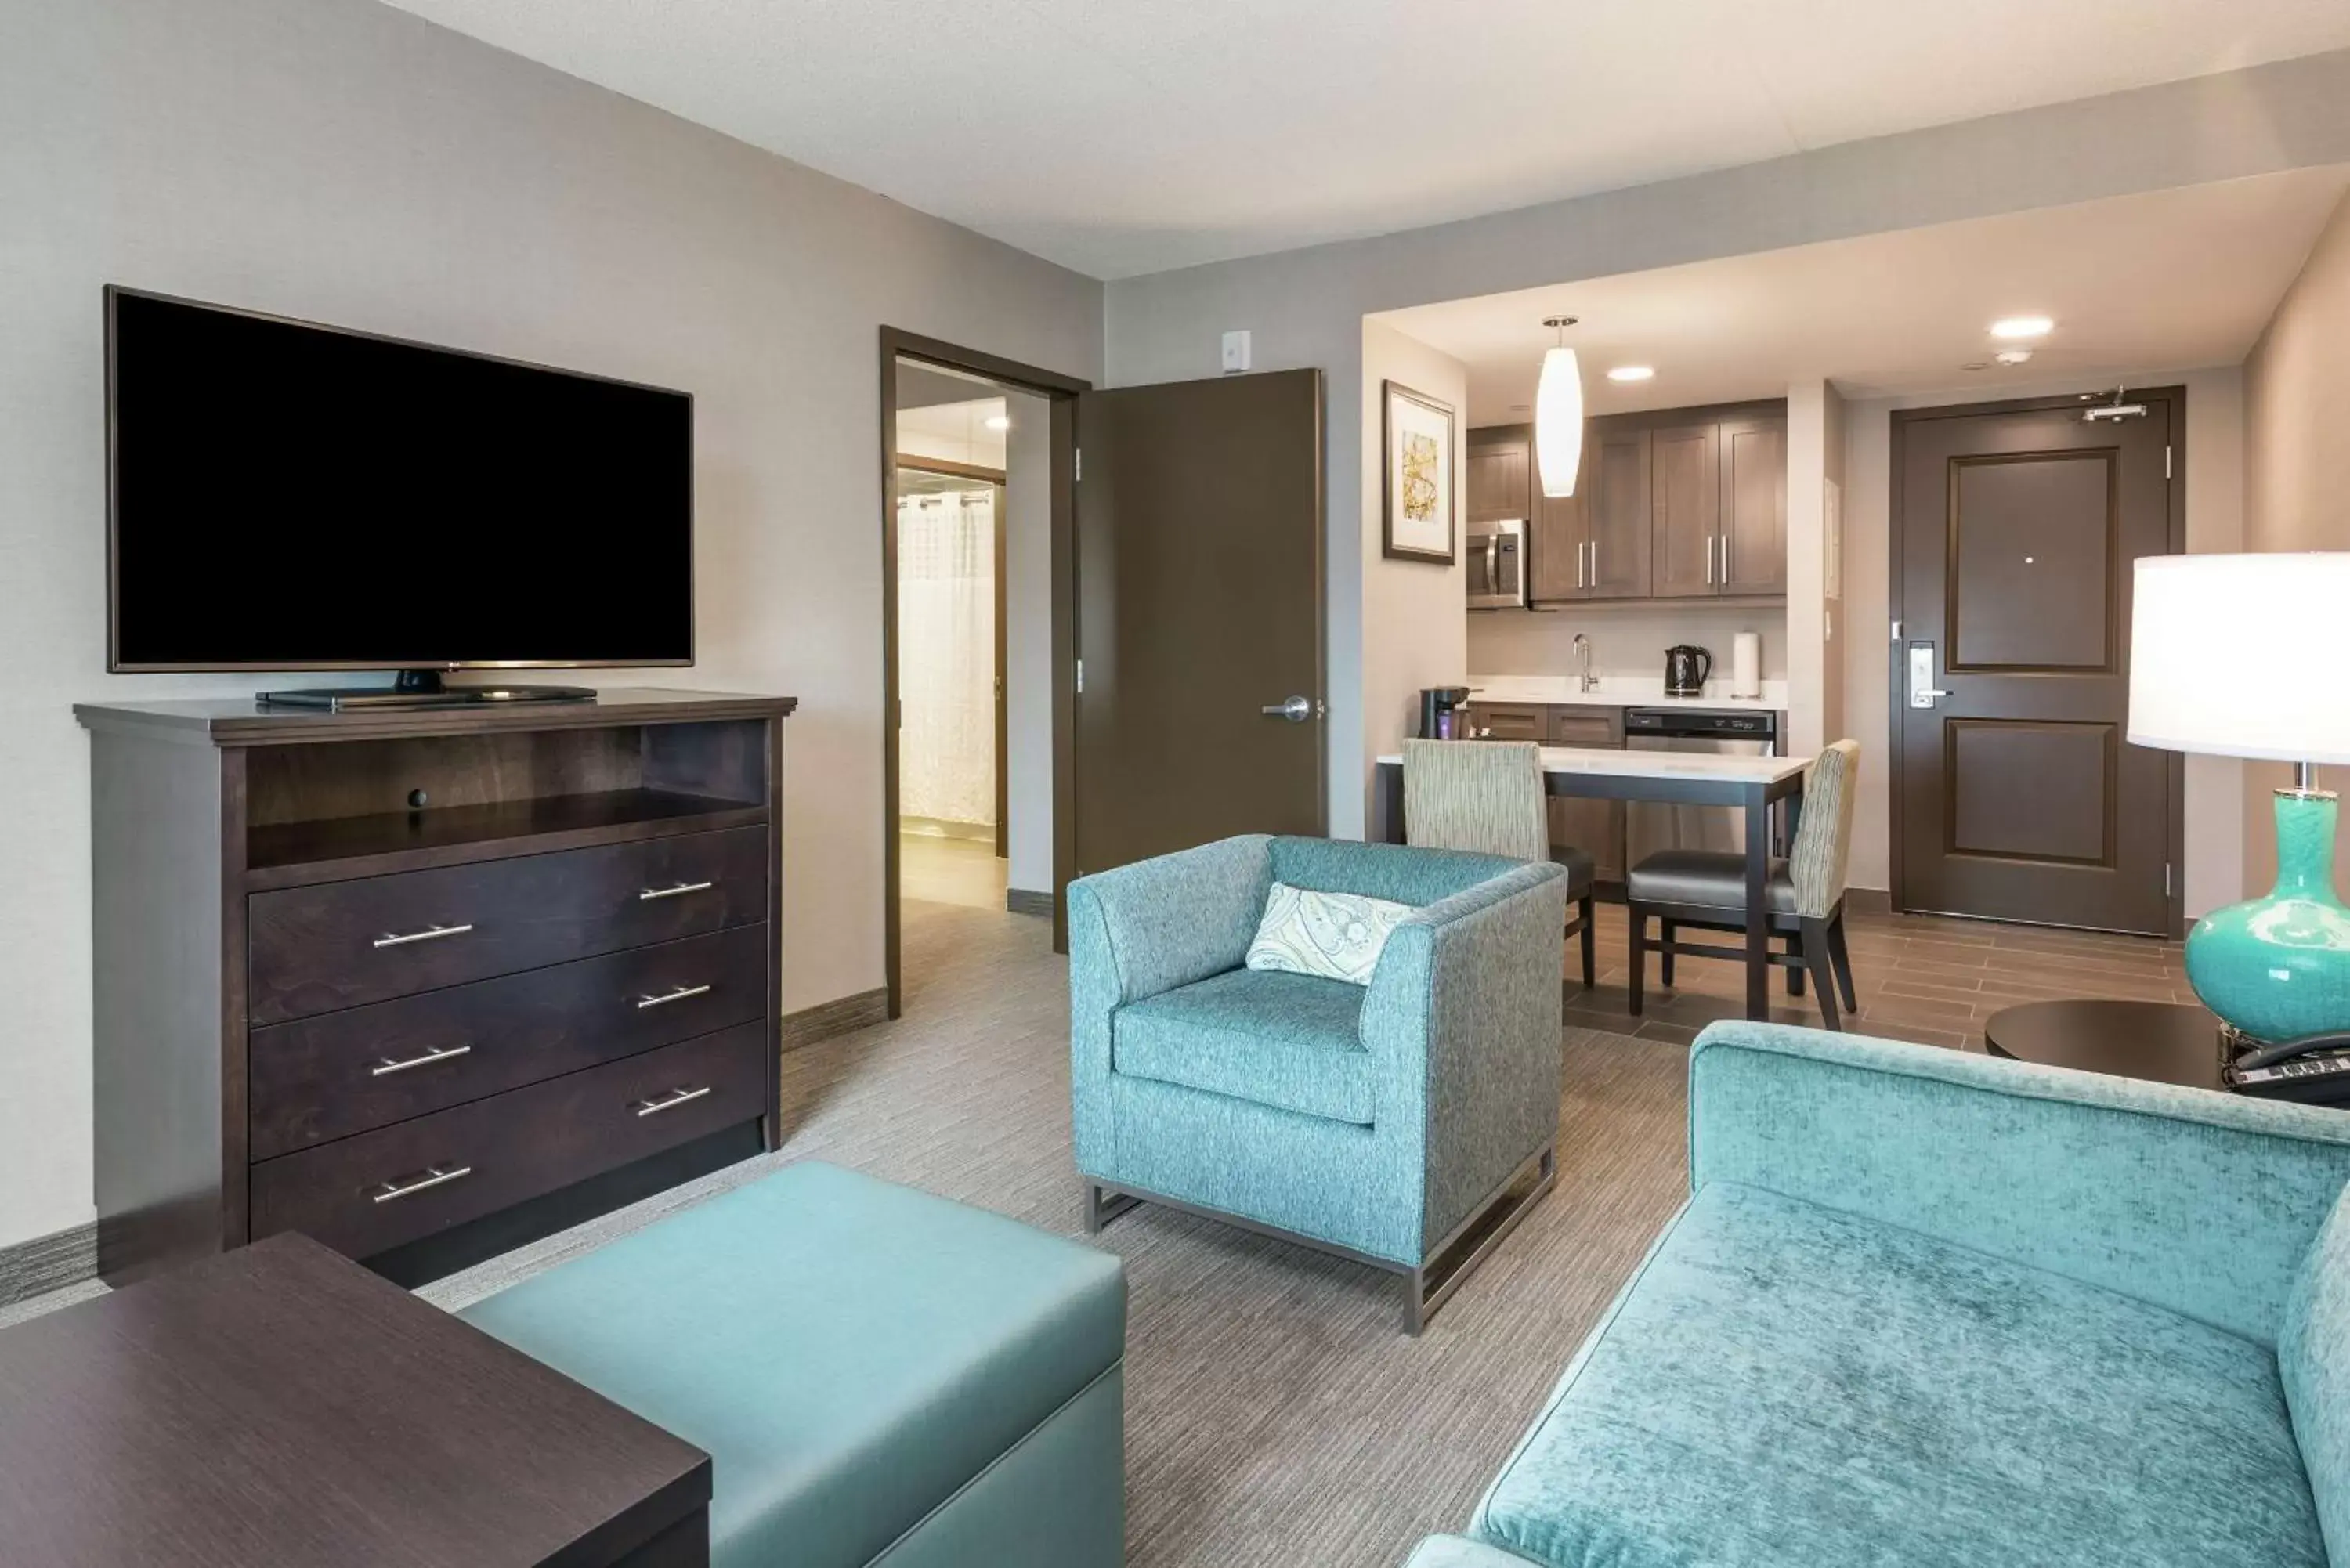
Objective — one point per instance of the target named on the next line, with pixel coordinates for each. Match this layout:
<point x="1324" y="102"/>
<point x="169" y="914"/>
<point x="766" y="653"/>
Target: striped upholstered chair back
<point x="1485" y="795"/>
<point x="1816" y="862"/>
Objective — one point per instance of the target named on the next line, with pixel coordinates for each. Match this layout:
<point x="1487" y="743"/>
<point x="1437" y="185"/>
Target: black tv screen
<point x="289" y="497"/>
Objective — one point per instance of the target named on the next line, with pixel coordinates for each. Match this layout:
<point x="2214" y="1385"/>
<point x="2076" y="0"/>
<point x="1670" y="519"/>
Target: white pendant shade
<point x="2243" y="656"/>
<point x="1558" y="422"/>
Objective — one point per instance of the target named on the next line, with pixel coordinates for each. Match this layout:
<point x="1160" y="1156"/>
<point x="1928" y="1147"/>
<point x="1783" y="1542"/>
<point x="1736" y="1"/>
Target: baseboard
<point x="46" y="1263"/>
<point x="843" y="1015"/>
<point x="1026" y="901"/>
<point x="1868" y="901"/>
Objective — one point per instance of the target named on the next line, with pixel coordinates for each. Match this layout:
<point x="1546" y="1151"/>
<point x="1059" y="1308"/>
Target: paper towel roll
<point x="1746" y="665"/>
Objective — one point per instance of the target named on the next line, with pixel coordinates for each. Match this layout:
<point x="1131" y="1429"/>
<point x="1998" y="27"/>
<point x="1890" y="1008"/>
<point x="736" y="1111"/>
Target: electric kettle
<point x="1686" y="669"/>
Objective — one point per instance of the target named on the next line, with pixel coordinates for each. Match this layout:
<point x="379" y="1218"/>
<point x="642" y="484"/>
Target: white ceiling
<point x="2176" y="280"/>
<point x="1129" y="136"/>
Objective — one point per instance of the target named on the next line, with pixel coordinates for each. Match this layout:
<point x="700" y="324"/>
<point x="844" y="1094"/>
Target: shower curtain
<point x="946" y="656"/>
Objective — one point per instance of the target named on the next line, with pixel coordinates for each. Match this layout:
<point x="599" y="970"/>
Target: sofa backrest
<point x="1402" y="873"/>
<point x="2314" y="1360"/>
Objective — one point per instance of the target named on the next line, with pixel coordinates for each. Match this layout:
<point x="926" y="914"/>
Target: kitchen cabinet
<point x="1685" y="510"/>
<point x="1753" y="553"/>
<point x="1593" y="544"/>
<point x="1501" y="472"/>
<point x="1509" y="722"/>
<point x="1594" y="827"/>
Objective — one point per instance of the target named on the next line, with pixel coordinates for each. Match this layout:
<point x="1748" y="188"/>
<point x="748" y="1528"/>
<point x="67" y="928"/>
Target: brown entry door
<point x="1198" y="595"/>
<point x="2019" y="797"/>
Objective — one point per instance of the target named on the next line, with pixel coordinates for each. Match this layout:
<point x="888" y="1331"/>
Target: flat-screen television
<point x="284" y="495"/>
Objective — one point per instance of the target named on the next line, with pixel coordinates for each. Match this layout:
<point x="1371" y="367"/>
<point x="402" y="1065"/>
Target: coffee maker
<point x="1440" y="713"/>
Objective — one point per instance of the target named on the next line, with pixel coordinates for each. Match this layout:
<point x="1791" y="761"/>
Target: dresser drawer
<point x="343" y="1072"/>
<point x="365" y="1194"/>
<point x="343" y="944"/>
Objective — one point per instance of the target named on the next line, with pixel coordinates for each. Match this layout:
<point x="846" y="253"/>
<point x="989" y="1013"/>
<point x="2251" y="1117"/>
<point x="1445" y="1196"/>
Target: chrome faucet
<point x="1590" y="682"/>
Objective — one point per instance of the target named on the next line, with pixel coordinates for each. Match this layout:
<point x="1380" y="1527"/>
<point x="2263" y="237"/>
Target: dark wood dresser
<point x="423" y="984"/>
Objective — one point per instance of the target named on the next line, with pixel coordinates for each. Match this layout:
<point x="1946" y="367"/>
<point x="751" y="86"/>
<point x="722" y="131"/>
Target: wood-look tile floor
<point x="1926" y="978"/>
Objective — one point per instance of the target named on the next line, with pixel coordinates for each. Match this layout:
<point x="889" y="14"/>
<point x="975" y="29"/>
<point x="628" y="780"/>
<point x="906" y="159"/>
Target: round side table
<point x="2164" y="1041"/>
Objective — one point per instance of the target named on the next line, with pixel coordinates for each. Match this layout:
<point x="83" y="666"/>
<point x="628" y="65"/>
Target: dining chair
<point x="1804" y="897"/>
<point x="1488" y="796"/>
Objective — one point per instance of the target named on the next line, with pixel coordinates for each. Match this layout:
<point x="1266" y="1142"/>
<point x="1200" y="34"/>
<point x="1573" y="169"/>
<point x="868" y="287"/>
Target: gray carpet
<point x="1275" y="1415"/>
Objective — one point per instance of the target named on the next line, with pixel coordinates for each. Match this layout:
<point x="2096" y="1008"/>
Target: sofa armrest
<point x="2194" y="1201"/>
<point x="1460" y="1552"/>
<point x="1461" y="1020"/>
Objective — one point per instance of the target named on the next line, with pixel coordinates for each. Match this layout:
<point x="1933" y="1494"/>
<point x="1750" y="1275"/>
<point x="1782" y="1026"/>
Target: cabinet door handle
<point x="1580" y="580"/>
<point x="649" y="893"/>
<point x="671" y="1101"/>
<point x="434" y="1176"/>
<point x="1709" y="560"/>
<point x="388" y="1066"/>
<point x="428" y="934"/>
<point x="665" y="998"/>
<point x="1725" y="558"/>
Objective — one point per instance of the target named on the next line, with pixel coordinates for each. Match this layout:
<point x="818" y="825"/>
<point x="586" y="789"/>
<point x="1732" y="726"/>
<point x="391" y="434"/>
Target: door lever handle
<point x="1923" y="692"/>
<point x="1296" y="710"/>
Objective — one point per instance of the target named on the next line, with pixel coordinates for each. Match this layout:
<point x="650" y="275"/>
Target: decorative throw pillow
<point x="1337" y="936"/>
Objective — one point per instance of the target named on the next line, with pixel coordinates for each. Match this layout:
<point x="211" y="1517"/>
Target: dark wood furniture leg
<point x="1638" y="918"/>
<point x="1758" y="915"/>
<point x="1816" y="960"/>
<point x="1842" y="957"/>
<point x="1795" y="972"/>
<point x="1590" y="936"/>
<point x="1666" y="931"/>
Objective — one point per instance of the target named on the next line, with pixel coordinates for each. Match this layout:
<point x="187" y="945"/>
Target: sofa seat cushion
<point x="849" y="1353"/>
<point x="1289" y="1041"/>
<point x="1782" y="1386"/>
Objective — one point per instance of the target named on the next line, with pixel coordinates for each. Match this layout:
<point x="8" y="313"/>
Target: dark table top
<point x="280" y="1405"/>
<point x="2167" y="1042"/>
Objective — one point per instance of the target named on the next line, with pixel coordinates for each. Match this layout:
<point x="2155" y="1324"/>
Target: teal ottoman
<point x="880" y="1375"/>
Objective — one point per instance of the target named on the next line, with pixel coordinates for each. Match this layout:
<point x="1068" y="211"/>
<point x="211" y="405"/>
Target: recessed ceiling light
<point x="998" y="421"/>
<point x="2015" y="326"/>
<point x="1632" y="373"/>
<point x="2014" y="355"/>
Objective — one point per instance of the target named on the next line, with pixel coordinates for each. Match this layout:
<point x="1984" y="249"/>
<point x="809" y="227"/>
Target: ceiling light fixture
<point x="2012" y="327"/>
<point x="1559" y="414"/>
<point x="2014" y="355"/>
<point x="1632" y="373"/>
<point x="998" y="421"/>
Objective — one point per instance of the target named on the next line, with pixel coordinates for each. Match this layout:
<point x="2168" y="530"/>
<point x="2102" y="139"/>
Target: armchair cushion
<point x="1286" y="1040"/>
<point x="1784" y="1384"/>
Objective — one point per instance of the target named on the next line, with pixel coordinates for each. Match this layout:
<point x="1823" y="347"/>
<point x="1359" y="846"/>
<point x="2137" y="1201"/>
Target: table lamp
<point x="2248" y="656"/>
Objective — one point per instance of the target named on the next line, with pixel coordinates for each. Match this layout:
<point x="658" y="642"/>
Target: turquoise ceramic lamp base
<point x="2278" y="968"/>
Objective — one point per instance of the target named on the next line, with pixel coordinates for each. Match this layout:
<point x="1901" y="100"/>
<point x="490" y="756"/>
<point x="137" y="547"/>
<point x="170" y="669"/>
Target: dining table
<point x="1752" y="785"/>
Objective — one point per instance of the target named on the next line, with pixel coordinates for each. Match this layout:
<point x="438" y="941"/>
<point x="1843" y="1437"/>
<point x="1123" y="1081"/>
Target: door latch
<point x="1923" y="692"/>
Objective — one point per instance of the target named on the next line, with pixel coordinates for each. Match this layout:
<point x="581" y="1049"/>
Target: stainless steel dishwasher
<point x="1648" y="826"/>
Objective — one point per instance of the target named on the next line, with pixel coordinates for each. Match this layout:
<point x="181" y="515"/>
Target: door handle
<point x="1923" y="692"/>
<point x="1296" y="710"/>
<point x="1578" y="565"/>
<point x="1709" y="560"/>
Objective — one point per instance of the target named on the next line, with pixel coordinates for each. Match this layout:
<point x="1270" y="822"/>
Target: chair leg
<point x="1638" y="919"/>
<point x="1843" y="959"/>
<point x="1665" y="929"/>
<point x="1590" y="944"/>
<point x="1815" y="959"/>
<point x="1794" y="974"/>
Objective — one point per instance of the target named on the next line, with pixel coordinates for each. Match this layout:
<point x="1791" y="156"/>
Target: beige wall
<point x="2297" y="472"/>
<point x="1421" y="611"/>
<point x="341" y="161"/>
<point x="2214" y="480"/>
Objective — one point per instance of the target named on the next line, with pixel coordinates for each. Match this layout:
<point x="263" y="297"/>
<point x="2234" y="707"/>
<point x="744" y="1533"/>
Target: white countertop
<point x="1660" y="764"/>
<point x="1619" y="692"/>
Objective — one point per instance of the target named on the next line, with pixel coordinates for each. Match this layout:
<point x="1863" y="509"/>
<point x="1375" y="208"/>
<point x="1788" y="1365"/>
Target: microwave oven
<point x="1497" y="565"/>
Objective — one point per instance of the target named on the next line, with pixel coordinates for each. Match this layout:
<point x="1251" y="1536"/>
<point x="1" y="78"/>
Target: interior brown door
<point x="1199" y="621"/>
<point x="2019" y="797"/>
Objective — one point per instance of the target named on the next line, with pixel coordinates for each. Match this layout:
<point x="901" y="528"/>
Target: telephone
<point x="2314" y="1069"/>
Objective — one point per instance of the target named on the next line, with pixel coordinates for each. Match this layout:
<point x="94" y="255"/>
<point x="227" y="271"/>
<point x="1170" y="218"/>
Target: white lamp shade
<point x="2243" y="656"/>
<point x="1558" y="422"/>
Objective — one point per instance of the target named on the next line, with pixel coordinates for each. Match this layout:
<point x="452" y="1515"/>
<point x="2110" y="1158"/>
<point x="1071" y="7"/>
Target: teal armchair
<point x="1377" y="1122"/>
<point x="1935" y="1309"/>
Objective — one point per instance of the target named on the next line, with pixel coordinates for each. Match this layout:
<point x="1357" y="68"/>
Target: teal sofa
<point x="1935" y="1309"/>
<point x="1377" y="1122"/>
<point x="879" y="1376"/>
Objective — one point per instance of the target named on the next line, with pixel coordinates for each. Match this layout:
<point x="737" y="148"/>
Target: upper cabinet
<point x="1678" y="504"/>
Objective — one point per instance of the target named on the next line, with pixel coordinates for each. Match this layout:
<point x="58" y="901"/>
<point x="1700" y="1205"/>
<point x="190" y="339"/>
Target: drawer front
<point x="343" y="1072"/>
<point x="363" y="1195"/>
<point x="344" y="944"/>
<point x="1508" y="721"/>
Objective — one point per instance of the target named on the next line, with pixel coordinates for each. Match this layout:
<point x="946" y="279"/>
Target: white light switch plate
<point x="1236" y="352"/>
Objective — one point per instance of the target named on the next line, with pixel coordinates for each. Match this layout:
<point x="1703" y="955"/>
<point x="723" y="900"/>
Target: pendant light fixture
<point x="1559" y="414"/>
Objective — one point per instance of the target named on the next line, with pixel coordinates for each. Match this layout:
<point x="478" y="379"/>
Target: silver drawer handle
<point x="665" y="998"/>
<point x="649" y="893"/>
<point x="433" y="1177"/>
<point x="446" y="1054"/>
<point x="428" y="934"/>
<point x="676" y="1098"/>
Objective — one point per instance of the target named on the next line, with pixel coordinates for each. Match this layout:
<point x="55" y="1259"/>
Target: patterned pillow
<point x="1337" y="936"/>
